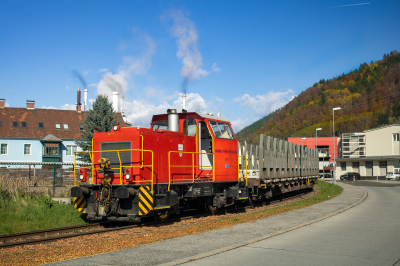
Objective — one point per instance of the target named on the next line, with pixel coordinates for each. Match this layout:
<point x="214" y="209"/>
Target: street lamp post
<point x="334" y="152"/>
<point x="316" y="147"/>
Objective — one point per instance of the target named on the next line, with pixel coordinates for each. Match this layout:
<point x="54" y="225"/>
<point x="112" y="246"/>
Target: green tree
<point x="100" y="118"/>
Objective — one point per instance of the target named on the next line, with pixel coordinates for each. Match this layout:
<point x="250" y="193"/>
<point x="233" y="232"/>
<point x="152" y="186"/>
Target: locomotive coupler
<point x="106" y="190"/>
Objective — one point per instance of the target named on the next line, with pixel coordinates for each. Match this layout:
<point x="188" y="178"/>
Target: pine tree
<point x="100" y="118"/>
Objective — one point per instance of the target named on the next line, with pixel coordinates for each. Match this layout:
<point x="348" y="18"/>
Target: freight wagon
<point x="184" y="159"/>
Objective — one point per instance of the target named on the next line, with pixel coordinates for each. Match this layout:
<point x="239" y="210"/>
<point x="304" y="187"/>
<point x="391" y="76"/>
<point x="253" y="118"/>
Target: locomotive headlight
<point x="115" y="128"/>
<point x="81" y="177"/>
<point x="127" y="176"/>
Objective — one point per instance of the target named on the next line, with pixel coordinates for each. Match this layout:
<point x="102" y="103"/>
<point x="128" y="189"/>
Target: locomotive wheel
<point x="211" y="209"/>
<point x="161" y="216"/>
<point x="250" y="202"/>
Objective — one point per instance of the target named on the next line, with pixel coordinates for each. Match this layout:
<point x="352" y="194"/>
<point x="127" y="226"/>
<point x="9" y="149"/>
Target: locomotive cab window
<point x="160" y="124"/>
<point x="221" y="130"/>
<point x="189" y="127"/>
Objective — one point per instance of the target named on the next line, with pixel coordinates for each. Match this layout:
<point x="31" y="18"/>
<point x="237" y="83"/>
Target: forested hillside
<point x="369" y="97"/>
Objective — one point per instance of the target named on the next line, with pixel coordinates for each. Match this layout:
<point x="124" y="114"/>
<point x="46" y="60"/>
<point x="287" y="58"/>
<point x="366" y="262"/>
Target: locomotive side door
<point x="205" y="142"/>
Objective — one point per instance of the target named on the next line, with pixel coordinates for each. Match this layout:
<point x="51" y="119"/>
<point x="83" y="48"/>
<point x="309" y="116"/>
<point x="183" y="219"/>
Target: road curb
<point x="255" y="240"/>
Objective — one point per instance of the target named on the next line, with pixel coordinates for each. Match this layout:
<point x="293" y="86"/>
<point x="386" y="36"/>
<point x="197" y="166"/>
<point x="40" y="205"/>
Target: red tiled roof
<point x="49" y="118"/>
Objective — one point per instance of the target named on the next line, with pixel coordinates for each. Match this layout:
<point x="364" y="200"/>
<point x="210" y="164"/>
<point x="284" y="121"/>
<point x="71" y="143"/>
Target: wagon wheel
<point x="161" y="216"/>
<point x="211" y="209"/>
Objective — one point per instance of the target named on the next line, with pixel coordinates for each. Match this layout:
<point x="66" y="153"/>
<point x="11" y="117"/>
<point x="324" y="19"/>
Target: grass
<point x="22" y="210"/>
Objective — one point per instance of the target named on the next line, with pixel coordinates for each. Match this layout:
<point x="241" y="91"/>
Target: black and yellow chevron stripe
<point x="146" y="203"/>
<point x="80" y="204"/>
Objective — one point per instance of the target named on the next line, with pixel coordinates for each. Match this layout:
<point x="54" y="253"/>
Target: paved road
<point x="368" y="234"/>
<point x="183" y="249"/>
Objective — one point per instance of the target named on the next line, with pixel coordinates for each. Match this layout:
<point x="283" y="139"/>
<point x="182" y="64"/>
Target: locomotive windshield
<point x="160" y="124"/>
<point x="221" y="130"/>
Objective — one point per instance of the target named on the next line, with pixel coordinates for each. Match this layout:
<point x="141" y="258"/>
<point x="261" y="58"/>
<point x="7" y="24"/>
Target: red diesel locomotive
<point x="139" y="171"/>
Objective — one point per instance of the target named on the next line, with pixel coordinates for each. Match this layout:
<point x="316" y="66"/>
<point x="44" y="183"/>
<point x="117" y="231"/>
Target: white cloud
<point x="185" y="32"/>
<point x="66" y="87"/>
<point x="49" y="107"/>
<point x="239" y="123"/>
<point x="110" y="83"/>
<point x="140" y="112"/>
<point x="85" y="72"/>
<point x="93" y="85"/>
<point x="215" y="69"/>
<point x="68" y="107"/>
<point x="131" y="66"/>
<point x="219" y="100"/>
<point x="265" y="104"/>
<point x="103" y="70"/>
<point x="62" y="107"/>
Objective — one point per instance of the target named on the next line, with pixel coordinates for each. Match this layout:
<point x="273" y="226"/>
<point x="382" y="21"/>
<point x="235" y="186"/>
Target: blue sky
<point x="243" y="59"/>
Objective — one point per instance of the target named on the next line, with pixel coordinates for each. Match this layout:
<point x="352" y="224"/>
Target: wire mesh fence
<point x="55" y="179"/>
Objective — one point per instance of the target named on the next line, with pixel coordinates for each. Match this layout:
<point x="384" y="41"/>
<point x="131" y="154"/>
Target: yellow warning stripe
<point x="80" y="204"/>
<point x="146" y="203"/>
<point x="145" y="200"/>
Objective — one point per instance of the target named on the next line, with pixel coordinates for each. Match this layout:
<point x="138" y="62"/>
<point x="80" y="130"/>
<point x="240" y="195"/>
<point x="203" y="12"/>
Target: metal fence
<point x="38" y="176"/>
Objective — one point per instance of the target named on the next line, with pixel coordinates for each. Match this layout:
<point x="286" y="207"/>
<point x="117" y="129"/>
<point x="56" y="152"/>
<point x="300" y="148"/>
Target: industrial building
<point x="371" y="153"/>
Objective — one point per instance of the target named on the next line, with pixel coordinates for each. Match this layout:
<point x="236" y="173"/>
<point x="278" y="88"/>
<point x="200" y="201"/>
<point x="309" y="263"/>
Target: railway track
<point x="44" y="236"/>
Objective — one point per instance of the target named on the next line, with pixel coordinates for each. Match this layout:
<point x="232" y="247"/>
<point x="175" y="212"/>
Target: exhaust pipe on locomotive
<point x="173" y="120"/>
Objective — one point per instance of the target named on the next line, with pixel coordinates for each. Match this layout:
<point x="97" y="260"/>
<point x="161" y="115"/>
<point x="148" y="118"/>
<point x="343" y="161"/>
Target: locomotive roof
<point x="208" y="116"/>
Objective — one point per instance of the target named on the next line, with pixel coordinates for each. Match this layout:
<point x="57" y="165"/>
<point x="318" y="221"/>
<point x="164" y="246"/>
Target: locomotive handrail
<point x="245" y="159"/>
<point x="193" y="166"/>
<point x="120" y="165"/>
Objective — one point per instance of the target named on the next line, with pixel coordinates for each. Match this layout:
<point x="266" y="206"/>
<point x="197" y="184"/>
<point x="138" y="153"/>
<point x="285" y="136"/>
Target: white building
<point x="371" y="153"/>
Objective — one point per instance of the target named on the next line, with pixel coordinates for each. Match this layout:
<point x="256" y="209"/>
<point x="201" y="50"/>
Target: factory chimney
<point x="115" y="101"/>
<point x="122" y="108"/>
<point x="78" y="101"/>
<point x="85" y="92"/>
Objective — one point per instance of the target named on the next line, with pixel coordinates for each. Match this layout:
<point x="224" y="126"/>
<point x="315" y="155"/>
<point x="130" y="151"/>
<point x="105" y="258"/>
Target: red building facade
<point x="325" y="148"/>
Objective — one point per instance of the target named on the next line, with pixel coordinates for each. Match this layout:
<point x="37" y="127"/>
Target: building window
<point x="58" y="126"/>
<point x="383" y="164"/>
<point x="0" y="124"/>
<point x="65" y="126"/>
<point x="40" y="125"/>
<point x="24" y="125"/>
<point x="71" y="149"/>
<point x="343" y="166"/>
<point x="4" y="149"/>
<point x="396" y="137"/>
<point x="50" y="149"/>
<point x="15" y="124"/>
<point x="27" y="149"/>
